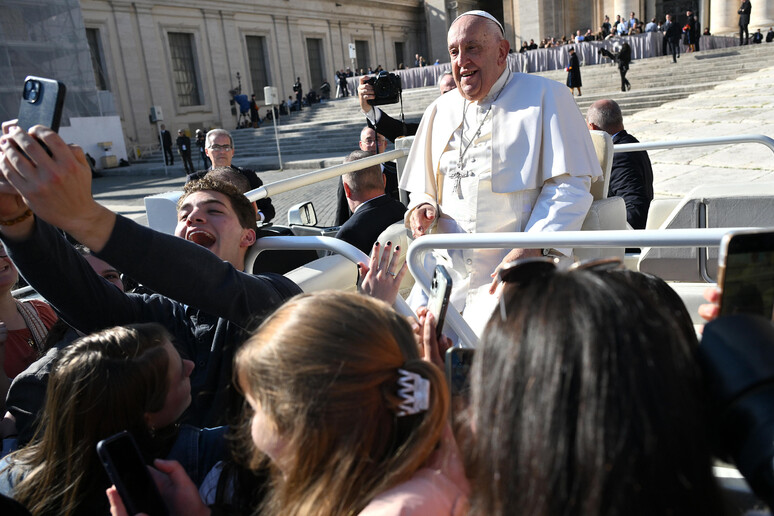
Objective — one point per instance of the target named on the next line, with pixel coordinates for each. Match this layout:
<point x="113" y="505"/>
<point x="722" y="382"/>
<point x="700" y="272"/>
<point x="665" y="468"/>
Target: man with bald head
<point x="632" y="173"/>
<point x="503" y="152"/>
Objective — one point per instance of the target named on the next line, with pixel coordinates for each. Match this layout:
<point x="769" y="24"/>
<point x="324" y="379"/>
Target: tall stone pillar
<point x="723" y="17"/>
<point x="765" y="19"/>
<point x="624" y="7"/>
<point x="436" y="23"/>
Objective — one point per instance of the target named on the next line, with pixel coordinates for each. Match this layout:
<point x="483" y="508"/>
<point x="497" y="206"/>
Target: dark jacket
<point x="166" y="139"/>
<point x="391" y="128"/>
<point x="369" y="220"/>
<point x="210" y="310"/>
<point x="183" y="145"/>
<point x="632" y="179"/>
<point x="573" y="72"/>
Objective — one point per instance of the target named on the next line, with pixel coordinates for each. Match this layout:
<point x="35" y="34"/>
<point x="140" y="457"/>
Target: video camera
<point x="387" y="88"/>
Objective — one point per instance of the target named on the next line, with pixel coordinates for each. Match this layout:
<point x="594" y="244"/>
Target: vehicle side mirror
<point x="302" y="215"/>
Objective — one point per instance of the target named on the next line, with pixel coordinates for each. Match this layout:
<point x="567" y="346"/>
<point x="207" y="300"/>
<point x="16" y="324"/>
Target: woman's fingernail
<point x="388" y="243"/>
<point x="397" y="248"/>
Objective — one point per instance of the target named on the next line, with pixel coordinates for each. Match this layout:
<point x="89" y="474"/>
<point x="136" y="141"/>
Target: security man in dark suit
<point x="373" y="210"/>
<point x="632" y="173"/>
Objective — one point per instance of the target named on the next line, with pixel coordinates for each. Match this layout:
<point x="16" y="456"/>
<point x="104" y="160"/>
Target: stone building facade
<point x="184" y="55"/>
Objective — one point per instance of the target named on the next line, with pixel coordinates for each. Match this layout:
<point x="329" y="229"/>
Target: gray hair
<point x="605" y="114"/>
<point x="217" y="132"/>
<point x="365" y="180"/>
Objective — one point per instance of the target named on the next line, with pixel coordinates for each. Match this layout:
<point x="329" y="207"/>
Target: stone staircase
<point x="332" y="129"/>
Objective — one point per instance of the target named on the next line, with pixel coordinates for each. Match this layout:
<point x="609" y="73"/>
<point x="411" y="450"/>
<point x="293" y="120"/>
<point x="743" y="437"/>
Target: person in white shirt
<point x="503" y="152"/>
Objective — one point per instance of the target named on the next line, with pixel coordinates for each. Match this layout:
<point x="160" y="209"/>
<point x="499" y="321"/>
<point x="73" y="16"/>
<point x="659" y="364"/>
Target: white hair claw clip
<point x="415" y="392"/>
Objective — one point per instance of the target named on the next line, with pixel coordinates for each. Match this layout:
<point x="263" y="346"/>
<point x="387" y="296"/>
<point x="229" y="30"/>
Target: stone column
<point x="436" y="23"/>
<point x="624" y="7"/>
<point x="762" y="15"/>
<point x="723" y="18"/>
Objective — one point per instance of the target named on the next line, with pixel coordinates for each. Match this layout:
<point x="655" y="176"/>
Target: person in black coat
<point x="573" y="73"/>
<point x="166" y="144"/>
<point x="373" y="210"/>
<point x="184" y="148"/>
<point x="744" y="21"/>
<point x="624" y="58"/>
<point x="374" y="143"/>
<point x="632" y="174"/>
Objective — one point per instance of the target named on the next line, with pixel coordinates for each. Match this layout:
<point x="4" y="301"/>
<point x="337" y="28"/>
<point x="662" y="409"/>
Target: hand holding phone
<point x="438" y="302"/>
<point x="127" y="470"/>
<point x="746" y="273"/>
<point x="41" y="104"/>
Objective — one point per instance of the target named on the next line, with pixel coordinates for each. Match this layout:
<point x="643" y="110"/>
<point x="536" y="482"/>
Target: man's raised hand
<point x="421" y="219"/>
<point x="57" y="187"/>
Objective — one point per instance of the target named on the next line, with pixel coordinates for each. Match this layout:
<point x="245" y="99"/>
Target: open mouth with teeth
<point x="201" y="237"/>
<point x="468" y="74"/>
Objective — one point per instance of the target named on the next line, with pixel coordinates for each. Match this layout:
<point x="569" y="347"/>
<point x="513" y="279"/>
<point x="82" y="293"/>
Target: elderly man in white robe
<point x="504" y="152"/>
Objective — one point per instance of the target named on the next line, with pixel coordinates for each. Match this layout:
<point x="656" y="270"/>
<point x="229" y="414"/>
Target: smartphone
<point x="439" y="297"/>
<point x="746" y="273"/>
<point x="42" y="102"/>
<point x="458" y="361"/>
<point x="127" y="470"/>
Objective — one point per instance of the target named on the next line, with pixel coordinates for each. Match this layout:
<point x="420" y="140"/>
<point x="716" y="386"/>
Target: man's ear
<point x="248" y="238"/>
<point x="347" y="190"/>
<point x="592" y="127"/>
<point x="503" y="49"/>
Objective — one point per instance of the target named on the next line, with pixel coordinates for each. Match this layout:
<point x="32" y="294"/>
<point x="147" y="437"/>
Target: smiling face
<point x="219" y="156"/>
<point x="178" y="390"/>
<point x="478" y="55"/>
<point x="207" y="218"/>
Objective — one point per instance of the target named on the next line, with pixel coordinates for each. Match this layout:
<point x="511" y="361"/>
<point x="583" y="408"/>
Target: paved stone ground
<point x="741" y="106"/>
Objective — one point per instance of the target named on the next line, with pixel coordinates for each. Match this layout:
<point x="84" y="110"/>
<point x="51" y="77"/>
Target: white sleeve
<point x="562" y="205"/>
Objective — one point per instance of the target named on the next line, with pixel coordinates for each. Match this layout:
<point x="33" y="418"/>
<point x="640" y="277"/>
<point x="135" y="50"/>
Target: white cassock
<point x="529" y="167"/>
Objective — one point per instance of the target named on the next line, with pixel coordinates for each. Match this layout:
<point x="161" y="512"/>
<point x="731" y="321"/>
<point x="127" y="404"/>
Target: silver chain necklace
<point x="458" y="173"/>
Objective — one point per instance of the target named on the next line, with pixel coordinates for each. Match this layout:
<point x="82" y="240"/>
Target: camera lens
<point x="31" y="90"/>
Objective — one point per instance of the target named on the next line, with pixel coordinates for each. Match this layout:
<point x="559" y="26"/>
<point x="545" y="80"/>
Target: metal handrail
<point x="697" y="142"/>
<point x="708" y="237"/>
<point x="285" y="185"/>
<point x="335" y="245"/>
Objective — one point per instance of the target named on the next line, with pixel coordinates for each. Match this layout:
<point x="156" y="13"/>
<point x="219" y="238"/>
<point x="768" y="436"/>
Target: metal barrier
<point x="285" y="185"/>
<point x="708" y="237"/>
<point x="335" y="245"/>
<point x="697" y="142"/>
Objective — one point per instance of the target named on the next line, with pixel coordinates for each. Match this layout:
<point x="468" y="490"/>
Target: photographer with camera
<point x="383" y="123"/>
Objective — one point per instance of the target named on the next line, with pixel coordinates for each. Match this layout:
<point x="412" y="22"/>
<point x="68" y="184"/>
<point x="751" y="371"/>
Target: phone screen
<point x="747" y="274"/>
<point x="439" y="297"/>
<point x="127" y="470"/>
<point x="458" y="362"/>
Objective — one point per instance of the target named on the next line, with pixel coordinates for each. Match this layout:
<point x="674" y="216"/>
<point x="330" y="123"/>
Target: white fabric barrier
<point x="643" y="46"/>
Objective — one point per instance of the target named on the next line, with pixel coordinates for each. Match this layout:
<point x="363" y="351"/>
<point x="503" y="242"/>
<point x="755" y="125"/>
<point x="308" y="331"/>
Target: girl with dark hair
<point x="125" y="378"/>
<point x="587" y="400"/>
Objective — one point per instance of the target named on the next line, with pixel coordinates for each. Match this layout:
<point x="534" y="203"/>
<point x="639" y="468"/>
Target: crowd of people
<point x="690" y="31"/>
<point x="246" y="396"/>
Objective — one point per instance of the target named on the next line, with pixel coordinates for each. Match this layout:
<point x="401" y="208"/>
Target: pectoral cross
<point x="457" y="176"/>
